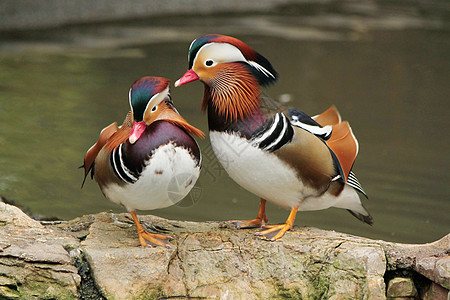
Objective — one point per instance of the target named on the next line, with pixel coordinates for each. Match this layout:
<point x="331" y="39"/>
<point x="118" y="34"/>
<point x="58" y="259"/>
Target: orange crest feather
<point x="169" y="115"/>
<point x="122" y="134"/>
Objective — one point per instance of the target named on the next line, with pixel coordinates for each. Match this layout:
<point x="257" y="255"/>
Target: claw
<point x="275" y="232"/>
<point x="153" y="239"/>
<point x="255" y="223"/>
<point x="259" y="221"/>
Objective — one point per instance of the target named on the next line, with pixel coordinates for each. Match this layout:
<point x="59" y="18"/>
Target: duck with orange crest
<point x="151" y="161"/>
<point x="280" y="154"/>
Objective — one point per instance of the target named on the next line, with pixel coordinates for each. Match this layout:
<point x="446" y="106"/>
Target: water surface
<point x="388" y="76"/>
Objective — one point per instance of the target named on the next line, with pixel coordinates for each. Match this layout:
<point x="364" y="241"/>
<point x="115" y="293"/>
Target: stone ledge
<point x="99" y="257"/>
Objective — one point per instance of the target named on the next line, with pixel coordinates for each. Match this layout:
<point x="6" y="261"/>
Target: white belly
<point x="167" y="178"/>
<point x="259" y="172"/>
<point x="268" y="177"/>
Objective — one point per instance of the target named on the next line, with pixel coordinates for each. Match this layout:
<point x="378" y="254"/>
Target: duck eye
<point x="154" y="108"/>
<point x="209" y="63"/>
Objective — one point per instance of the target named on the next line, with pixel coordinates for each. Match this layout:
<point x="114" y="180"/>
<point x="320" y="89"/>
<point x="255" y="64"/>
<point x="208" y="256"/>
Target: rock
<point x="430" y="260"/>
<point x="99" y="257"/>
<point x="123" y="269"/>
<point x="33" y="261"/>
<point x="435" y="268"/>
<point x="401" y="287"/>
<point x="209" y="261"/>
<point x="435" y="291"/>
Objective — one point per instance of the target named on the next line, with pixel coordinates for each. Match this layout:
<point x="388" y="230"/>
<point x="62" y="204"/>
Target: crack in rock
<point x="87" y="289"/>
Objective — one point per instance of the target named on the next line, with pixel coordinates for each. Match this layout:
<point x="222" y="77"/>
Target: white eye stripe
<point x="224" y="53"/>
<point x="220" y="53"/>
<point x="157" y="99"/>
<point x="260" y="68"/>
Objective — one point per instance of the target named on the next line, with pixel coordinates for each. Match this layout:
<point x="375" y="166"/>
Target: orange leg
<point x="153" y="238"/>
<point x="275" y="232"/>
<point x="259" y="221"/>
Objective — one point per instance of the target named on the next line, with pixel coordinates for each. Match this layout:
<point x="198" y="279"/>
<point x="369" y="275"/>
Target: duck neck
<point x="232" y="100"/>
<point x="245" y="126"/>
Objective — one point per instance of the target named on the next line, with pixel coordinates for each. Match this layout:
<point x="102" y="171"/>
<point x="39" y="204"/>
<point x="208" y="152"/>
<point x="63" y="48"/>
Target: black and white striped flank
<point x="354" y="183"/>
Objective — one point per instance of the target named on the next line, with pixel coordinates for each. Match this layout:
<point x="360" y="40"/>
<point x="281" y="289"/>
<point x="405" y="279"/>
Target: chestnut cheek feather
<point x="233" y="92"/>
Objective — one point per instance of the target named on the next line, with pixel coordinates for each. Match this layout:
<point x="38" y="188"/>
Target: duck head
<point x="150" y="101"/>
<point x="231" y="71"/>
<point x="148" y="97"/>
<point x="207" y="53"/>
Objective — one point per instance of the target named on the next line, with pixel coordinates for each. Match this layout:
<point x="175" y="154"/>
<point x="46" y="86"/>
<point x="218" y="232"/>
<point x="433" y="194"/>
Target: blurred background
<point x="66" y="68"/>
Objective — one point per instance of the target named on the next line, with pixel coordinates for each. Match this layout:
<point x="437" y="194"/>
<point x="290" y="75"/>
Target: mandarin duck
<point x="280" y="154"/>
<point x="149" y="162"/>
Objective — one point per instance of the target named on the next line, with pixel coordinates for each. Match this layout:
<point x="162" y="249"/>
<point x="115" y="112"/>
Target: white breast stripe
<point x="124" y="168"/>
<point x="275" y="135"/>
<point x="282" y="133"/>
<point x="119" y="166"/>
<point x="267" y="133"/>
<point x="114" y="163"/>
